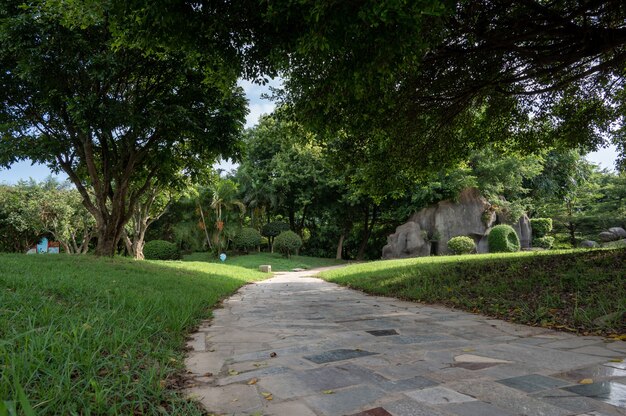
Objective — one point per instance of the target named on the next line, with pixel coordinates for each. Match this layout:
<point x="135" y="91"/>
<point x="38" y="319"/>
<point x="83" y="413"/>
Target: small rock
<point x="265" y="268"/>
<point x="588" y="244"/>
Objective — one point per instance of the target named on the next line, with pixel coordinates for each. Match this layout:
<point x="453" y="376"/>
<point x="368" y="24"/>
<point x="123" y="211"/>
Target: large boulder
<point x="470" y="215"/>
<point x="408" y="241"/>
<point x="607" y="236"/>
<point x="524" y="231"/>
<point x="618" y="231"/>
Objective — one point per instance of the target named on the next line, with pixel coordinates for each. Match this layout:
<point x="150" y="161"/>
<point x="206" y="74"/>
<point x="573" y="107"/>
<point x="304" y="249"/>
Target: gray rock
<point x="470" y="216"/>
<point x="524" y="231"/>
<point x="618" y="231"/>
<point x="407" y="241"/>
<point x="607" y="236"/>
<point x="588" y="244"/>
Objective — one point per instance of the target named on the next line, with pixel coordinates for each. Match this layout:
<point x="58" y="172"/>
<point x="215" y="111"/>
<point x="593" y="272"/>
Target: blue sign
<point x="42" y="247"/>
<point x="223" y="256"/>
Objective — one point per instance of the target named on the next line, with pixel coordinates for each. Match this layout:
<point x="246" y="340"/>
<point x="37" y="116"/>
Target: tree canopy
<point x="117" y="120"/>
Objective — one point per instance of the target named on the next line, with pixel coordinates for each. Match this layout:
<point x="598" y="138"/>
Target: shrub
<point x="503" y="239"/>
<point x="161" y="250"/>
<point x="541" y="226"/>
<point x="274" y="229"/>
<point x="288" y="243"/>
<point x="247" y="239"/>
<point x="543" y="242"/>
<point x="461" y="245"/>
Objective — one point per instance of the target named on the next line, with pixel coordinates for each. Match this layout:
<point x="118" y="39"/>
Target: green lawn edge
<point x="278" y="262"/>
<point x="85" y="335"/>
<point x="572" y="290"/>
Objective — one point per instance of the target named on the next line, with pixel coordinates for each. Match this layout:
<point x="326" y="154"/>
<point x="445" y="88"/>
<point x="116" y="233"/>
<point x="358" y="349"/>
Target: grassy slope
<point x="277" y="261"/>
<point x="566" y="289"/>
<point x="103" y="336"/>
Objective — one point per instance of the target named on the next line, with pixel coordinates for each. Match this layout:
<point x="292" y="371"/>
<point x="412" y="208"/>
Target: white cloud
<point x="257" y="104"/>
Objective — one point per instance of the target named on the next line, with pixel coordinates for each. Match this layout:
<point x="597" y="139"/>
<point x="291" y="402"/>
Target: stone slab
<point x="532" y="383"/>
<point x="337" y="355"/>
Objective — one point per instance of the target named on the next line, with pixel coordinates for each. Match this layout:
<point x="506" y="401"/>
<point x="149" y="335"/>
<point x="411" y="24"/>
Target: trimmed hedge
<point x="541" y="226"/>
<point x="461" y="245"/>
<point x="161" y="250"/>
<point x="543" y="242"/>
<point x="288" y="243"/>
<point x="247" y="239"/>
<point x="503" y="239"/>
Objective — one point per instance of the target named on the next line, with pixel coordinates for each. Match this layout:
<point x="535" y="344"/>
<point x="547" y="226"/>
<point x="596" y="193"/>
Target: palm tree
<point x="223" y="200"/>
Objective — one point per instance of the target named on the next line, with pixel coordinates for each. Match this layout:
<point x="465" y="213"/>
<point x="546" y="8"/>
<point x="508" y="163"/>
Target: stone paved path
<point x="295" y="345"/>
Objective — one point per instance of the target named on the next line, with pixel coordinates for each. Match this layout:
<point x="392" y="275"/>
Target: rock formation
<point x="471" y="215"/>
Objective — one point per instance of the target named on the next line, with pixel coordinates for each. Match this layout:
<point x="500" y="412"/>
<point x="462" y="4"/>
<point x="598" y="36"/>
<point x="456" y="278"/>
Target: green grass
<point x="277" y="261"/>
<point x="564" y="289"/>
<point x="82" y="335"/>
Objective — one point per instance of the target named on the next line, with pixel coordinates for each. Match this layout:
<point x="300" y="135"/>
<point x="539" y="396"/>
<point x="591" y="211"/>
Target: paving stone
<point x="337" y="355"/>
<point x="408" y="407"/>
<point x="609" y="392"/>
<point x="379" y="411"/>
<point x="598" y="350"/>
<point x="287" y="409"/>
<point x="598" y="373"/>
<point x="327" y="378"/>
<point x="382" y="332"/>
<point x="235" y="398"/>
<point x="397" y="386"/>
<point x="205" y="362"/>
<point x="347" y="401"/>
<point x="507" y="398"/>
<point x="475" y="409"/>
<point x="471" y="358"/>
<point x="248" y="375"/>
<point x="576" y="403"/>
<point x="418" y="339"/>
<point x="474" y="366"/>
<point x="532" y="383"/>
<point x="438" y="395"/>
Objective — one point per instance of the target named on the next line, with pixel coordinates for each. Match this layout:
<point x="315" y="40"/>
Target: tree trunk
<point x="340" y="246"/>
<point x="292" y="219"/>
<point x="108" y="238"/>
<point x="367" y="231"/>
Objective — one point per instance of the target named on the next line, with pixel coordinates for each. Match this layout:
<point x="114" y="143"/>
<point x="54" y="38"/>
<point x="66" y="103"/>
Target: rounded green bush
<point x="543" y="242"/>
<point x="503" y="239"/>
<point x="247" y="239"/>
<point x="288" y="243"/>
<point x="161" y="250"/>
<point x="274" y="228"/>
<point x="461" y="245"/>
<point x="541" y="226"/>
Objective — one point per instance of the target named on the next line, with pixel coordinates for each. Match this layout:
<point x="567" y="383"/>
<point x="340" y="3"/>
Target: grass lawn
<point x="277" y="261"/>
<point x="567" y="289"/>
<point x="82" y="335"/>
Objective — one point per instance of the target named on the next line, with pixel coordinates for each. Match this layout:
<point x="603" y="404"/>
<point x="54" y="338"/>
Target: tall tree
<point x="114" y="118"/>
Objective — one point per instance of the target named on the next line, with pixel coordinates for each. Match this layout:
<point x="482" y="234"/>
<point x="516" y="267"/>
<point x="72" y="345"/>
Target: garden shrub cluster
<point x="461" y="245"/>
<point x="288" y="243"/>
<point x="543" y="242"/>
<point x="161" y="250"/>
<point x="503" y="239"/>
<point x="541" y="226"/>
<point x="247" y="239"/>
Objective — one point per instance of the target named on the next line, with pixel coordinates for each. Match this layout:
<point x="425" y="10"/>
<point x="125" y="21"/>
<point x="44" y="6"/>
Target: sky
<point x="258" y="106"/>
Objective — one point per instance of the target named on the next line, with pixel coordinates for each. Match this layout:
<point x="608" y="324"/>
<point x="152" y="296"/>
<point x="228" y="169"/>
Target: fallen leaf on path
<point x="272" y="354"/>
<point x="253" y="381"/>
<point x="268" y="396"/>
<point x="585" y="381"/>
<point x="615" y="360"/>
<point x="233" y="372"/>
<point x="328" y="392"/>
